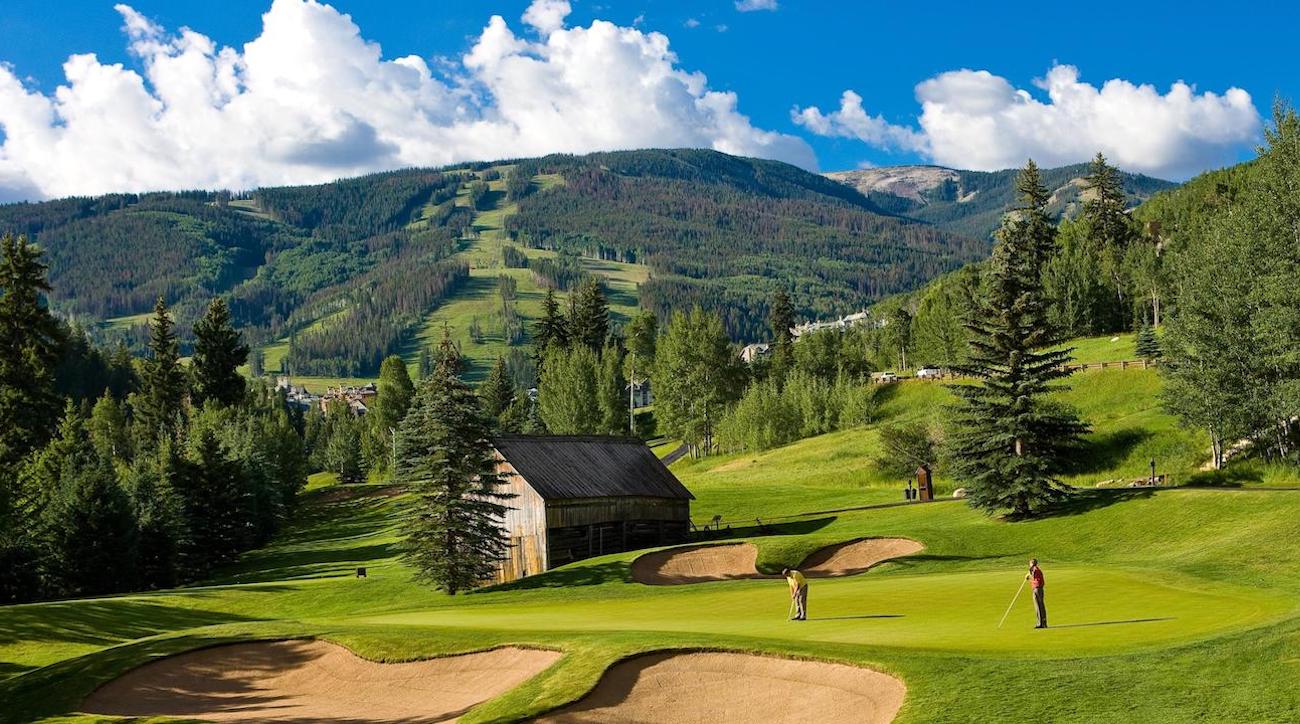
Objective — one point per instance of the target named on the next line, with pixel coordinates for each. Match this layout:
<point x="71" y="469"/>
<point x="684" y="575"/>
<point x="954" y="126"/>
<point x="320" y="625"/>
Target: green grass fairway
<point x="1167" y="606"/>
<point x="1100" y="611"/>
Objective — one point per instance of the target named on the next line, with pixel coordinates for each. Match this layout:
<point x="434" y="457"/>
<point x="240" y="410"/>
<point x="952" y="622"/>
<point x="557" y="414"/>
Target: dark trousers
<point x="1040" y="606"/>
<point x="801" y="603"/>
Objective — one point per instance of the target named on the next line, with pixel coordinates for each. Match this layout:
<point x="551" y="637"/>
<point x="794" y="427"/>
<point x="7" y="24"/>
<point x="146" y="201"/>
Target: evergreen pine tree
<point x="157" y="407"/>
<point x="1148" y="346"/>
<point x="551" y="330"/>
<point x="1111" y="231"/>
<point x="92" y="532"/>
<point x="213" y="488"/>
<point x="588" y="322"/>
<point x="781" y="320"/>
<point x="1010" y="440"/>
<point x="31" y="342"/>
<point x="454" y="532"/>
<point x="425" y="366"/>
<point x="497" y="392"/>
<point x="78" y="522"/>
<point x="219" y="350"/>
<point x="160" y="517"/>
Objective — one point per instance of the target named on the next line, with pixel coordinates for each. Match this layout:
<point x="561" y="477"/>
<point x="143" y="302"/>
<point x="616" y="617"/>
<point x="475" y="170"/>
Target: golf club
<point x="790" y="614"/>
<point x="1013" y="603"/>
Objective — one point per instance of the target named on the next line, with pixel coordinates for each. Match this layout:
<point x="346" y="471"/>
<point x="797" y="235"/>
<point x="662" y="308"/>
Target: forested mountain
<point x="725" y="232"/>
<point x="972" y="202"/>
<point x="346" y="272"/>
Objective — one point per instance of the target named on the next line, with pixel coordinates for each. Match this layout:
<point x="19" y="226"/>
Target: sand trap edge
<point x="892" y="538"/>
<point x="686" y="650"/>
<point x="322" y="639"/>
<point x="647" y="578"/>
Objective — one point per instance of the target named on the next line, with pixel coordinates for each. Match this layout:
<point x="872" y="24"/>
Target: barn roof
<point x="562" y="467"/>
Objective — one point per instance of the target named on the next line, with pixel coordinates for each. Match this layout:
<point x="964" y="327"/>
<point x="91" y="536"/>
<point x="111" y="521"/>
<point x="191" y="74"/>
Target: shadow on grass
<point x="578" y="575"/>
<point x="322" y="541"/>
<point x="1086" y="501"/>
<point x="1234" y="477"/>
<point x="8" y="669"/>
<point x="1114" y="623"/>
<point x="1107" y="451"/>
<point x="919" y="558"/>
<point x="758" y="530"/>
<point x="101" y="622"/>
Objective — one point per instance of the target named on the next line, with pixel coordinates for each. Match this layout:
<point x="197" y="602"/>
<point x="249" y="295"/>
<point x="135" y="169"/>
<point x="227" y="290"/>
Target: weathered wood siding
<point x="525" y="525"/>
<point x="586" y="527"/>
<point x="592" y="511"/>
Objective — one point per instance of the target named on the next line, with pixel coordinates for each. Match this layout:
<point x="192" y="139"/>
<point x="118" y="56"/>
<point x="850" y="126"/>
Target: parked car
<point x="884" y="377"/>
<point x="929" y="373"/>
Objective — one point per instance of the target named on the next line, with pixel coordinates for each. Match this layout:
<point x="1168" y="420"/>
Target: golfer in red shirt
<point x="1035" y="578"/>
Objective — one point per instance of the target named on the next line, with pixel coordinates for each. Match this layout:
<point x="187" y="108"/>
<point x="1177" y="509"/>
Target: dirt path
<point x="733" y="561"/>
<point x="736" y="689"/>
<point x="302" y="681"/>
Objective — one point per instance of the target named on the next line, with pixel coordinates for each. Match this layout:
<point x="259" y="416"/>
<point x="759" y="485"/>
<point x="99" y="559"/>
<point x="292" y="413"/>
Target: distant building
<point x="582" y="496"/>
<point x="357" y="398"/>
<point x="752" y="353"/>
<point x="295" y="395"/>
<point x="640" y="393"/>
<point x="857" y="319"/>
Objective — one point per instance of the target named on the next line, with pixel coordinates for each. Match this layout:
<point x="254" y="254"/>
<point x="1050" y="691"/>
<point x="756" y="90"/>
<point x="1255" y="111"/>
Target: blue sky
<point x="800" y="57"/>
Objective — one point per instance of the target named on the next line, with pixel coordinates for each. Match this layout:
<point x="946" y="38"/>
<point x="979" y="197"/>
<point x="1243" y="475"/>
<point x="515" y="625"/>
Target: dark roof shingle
<point x="562" y="467"/>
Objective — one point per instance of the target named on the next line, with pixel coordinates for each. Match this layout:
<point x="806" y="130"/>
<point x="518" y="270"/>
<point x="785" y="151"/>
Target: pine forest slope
<point x="331" y="278"/>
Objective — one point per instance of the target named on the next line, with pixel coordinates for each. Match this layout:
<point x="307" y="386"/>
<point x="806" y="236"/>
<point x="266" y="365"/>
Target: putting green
<point x="1093" y="611"/>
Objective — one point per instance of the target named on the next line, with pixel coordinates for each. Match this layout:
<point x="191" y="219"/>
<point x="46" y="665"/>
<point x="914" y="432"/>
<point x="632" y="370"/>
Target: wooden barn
<point x="580" y="496"/>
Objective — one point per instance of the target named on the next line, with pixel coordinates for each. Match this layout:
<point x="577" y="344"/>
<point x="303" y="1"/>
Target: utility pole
<point x="631" y="398"/>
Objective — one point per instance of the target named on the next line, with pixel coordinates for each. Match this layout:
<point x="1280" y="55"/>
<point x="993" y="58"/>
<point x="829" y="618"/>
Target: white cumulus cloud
<point x="978" y="120"/>
<point x="853" y="121"/>
<point x="310" y="99"/>
<point x="749" y="6"/>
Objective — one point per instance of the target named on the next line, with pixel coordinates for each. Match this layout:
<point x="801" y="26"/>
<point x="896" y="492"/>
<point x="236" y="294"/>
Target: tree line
<point x="164" y="473"/>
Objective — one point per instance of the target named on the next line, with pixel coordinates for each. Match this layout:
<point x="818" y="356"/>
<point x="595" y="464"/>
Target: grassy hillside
<point x="1129" y="428"/>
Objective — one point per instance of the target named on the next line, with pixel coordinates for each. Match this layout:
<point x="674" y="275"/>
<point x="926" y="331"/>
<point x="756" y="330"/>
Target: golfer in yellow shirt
<point x="798" y="593"/>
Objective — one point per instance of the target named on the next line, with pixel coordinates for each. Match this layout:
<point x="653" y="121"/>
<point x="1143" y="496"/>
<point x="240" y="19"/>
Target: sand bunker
<point x="847" y="559"/>
<point x="697" y="564"/>
<point x="735" y="688"/>
<point x="731" y="561"/>
<point x="302" y="681"/>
